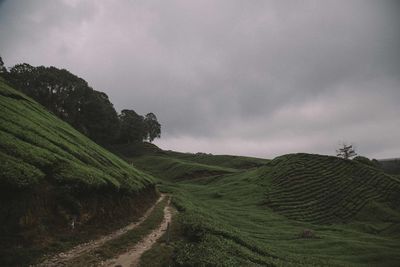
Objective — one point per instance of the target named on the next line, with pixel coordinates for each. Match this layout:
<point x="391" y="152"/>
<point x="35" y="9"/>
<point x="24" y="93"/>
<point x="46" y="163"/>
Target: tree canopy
<point x="73" y="100"/>
<point x="132" y="127"/>
<point x="152" y="126"/>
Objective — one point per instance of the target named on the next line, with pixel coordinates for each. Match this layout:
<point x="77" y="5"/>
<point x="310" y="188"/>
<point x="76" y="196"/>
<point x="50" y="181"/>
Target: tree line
<point x="89" y="111"/>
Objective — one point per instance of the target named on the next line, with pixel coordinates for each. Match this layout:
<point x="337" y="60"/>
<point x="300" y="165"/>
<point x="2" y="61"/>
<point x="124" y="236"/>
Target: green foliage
<point x="132" y="127"/>
<point x="16" y="173"/>
<point x="152" y="127"/>
<point x="136" y="128"/>
<point x="35" y="145"/>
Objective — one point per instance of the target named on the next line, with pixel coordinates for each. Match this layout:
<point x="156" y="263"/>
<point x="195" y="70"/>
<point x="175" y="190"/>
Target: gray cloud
<point x="256" y="78"/>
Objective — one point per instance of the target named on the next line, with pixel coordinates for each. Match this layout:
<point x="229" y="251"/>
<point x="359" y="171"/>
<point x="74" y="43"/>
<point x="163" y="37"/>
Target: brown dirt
<point x="132" y="257"/>
<point x="62" y="259"/>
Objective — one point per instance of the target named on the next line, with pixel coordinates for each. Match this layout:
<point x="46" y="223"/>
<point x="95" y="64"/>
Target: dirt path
<point x="132" y="257"/>
<point x="62" y="259"/>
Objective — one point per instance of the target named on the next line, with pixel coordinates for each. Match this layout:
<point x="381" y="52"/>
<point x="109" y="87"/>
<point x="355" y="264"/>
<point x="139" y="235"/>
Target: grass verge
<point x="162" y="252"/>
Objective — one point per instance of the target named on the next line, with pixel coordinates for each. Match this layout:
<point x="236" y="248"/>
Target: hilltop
<point x="53" y="176"/>
<point x="324" y="190"/>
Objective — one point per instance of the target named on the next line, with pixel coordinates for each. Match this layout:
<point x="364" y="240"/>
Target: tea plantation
<point x="37" y="147"/>
<point x="296" y="210"/>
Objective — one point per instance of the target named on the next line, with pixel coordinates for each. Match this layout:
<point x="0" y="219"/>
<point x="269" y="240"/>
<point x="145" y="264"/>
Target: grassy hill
<point x="325" y="189"/>
<point x="36" y="147"/>
<point x="296" y="210"/>
<point x="51" y="174"/>
<point x="177" y="169"/>
<point x="171" y="165"/>
<point x="390" y="165"/>
<point x="227" y="161"/>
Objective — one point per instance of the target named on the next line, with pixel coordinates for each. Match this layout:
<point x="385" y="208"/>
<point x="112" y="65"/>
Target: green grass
<point x="161" y="253"/>
<point x="227" y="161"/>
<point x="37" y="147"/>
<point x="177" y="169"/>
<point x="256" y="217"/>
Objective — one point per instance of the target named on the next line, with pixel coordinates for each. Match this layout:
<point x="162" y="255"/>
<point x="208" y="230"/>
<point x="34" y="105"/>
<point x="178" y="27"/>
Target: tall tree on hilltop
<point x="132" y="127"/>
<point x="152" y="127"/>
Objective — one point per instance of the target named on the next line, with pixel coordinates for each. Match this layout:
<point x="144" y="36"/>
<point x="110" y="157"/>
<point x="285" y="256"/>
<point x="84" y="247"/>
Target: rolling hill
<point x="53" y="175"/>
<point x="295" y="210"/>
<point x="324" y="189"/>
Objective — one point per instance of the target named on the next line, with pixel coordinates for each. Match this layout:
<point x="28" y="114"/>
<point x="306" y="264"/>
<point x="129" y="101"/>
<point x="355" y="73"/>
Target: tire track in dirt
<point x="132" y="257"/>
<point x="63" y="258"/>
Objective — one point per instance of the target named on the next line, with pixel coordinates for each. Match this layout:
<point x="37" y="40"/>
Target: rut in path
<point x="64" y="257"/>
<point x="132" y="257"/>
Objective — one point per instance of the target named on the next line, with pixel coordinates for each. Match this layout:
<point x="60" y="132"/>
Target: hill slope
<point x="323" y="189"/>
<point x="52" y="176"/>
<point x="258" y="216"/>
<point x="38" y="146"/>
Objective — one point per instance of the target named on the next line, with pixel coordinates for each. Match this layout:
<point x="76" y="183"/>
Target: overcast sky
<point x="259" y="78"/>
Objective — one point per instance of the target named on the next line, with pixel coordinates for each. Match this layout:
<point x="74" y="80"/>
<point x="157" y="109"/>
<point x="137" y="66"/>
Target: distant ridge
<point x="326" y="189"/>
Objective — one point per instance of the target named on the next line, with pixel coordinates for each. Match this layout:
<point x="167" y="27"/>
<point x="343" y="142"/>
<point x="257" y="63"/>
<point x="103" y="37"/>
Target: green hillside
<point x="173" y="165"/>
<point x="53" y="177"/>
<point x="177" y="169"/>
<point x="37" y="147"/>
<point x="296" y="210"/>
<point x="390" y="166"/>
<point x="324" y="189"/>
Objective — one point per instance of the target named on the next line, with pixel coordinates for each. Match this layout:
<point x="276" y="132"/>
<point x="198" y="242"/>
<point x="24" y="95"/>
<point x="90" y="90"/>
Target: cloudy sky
<point x="259" y="78"/>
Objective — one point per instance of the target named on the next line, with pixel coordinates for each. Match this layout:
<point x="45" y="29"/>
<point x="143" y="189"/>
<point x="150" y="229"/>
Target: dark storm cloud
<point x="244" y="77"/>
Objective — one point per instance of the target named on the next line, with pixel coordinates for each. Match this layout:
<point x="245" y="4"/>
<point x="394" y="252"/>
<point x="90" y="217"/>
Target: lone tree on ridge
<point x="346" y="151"/>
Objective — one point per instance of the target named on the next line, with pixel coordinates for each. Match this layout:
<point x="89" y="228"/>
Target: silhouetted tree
<point x="346" y="151"/>
<point x="152" y="127"/>
<point x="98" y="118"/>
<point x="132" y="127"/>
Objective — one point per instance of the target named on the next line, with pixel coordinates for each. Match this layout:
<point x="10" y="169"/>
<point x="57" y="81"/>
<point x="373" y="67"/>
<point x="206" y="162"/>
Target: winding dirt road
<point x="63" y="258"/>
<point x="132" y="257"/>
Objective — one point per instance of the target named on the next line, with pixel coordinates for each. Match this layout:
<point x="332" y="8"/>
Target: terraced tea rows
<point x="37" y="146"/>
<point x="323" y="189"/>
